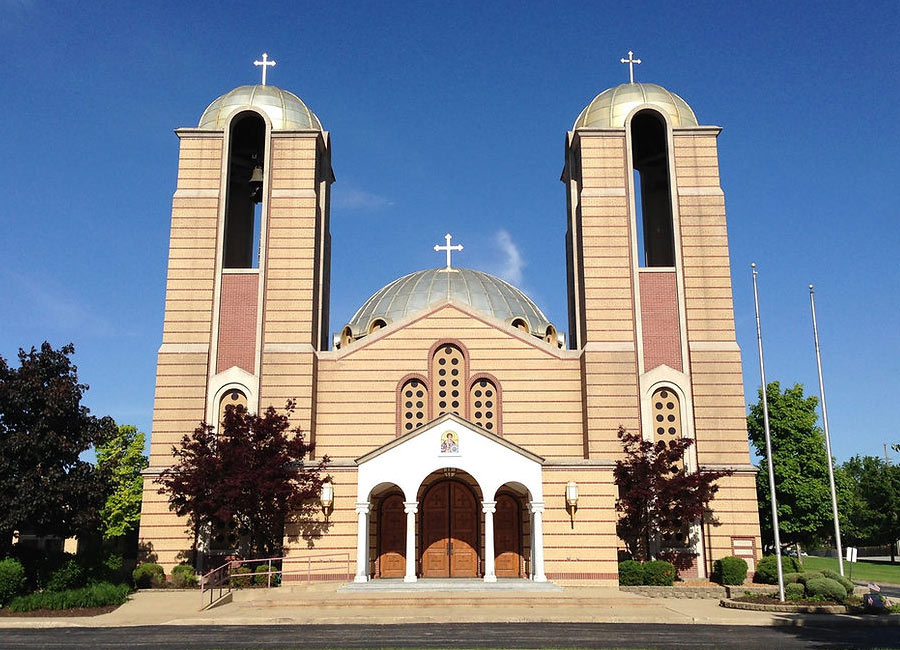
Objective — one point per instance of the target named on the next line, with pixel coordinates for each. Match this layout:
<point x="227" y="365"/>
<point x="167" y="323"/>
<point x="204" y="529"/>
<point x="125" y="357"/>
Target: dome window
<point x="346" y="336"/>
<point x="377" y="324"/>
<point x="520" y="324"/>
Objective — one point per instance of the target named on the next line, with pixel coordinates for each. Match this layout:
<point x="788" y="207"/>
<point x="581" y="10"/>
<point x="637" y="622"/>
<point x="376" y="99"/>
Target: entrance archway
<point x="508" y="537"/>
<point x="391" y="537"/>
<point x="449" y="531"/>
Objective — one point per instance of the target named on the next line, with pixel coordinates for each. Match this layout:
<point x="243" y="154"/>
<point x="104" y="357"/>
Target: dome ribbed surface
<point x="286" y="111"/>
<point x="612" y="106"/>
<point x="484" y="292"/>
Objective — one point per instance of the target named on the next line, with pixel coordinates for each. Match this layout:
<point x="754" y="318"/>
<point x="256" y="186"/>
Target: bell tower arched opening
<point x="246" y="169"/>
<point x="653" y="194"/>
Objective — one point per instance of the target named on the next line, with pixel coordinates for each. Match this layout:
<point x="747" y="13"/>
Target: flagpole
<point x="765" y="401"/>
<point x="834" y="507"/>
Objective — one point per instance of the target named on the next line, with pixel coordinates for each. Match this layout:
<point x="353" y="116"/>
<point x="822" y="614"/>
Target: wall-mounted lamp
<point x="572" y="499"/>
<point x="326" y="498"/>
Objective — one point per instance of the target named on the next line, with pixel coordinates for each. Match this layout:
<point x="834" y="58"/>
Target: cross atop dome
<point x="265" y="63"/>
<point x="630" y="61"/>
<point x="448" y="248"/>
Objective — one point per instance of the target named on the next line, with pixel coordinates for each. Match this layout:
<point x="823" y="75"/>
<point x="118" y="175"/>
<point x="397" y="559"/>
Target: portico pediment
<point x="449" y="442"/>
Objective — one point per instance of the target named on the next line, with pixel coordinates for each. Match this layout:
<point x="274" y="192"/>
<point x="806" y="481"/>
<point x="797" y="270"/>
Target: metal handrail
<point x="219" y="579"/>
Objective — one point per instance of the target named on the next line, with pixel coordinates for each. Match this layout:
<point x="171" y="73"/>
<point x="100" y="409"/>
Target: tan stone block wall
<point x="610" y="400"/>
<point x="586" y="550"/>
<point x="735" y="507"/>
<point x="357" y="392"/>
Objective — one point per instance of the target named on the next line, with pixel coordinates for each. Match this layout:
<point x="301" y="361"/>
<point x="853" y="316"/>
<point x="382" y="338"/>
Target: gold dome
<point x="286" y="111"/>
<point x="612" y="106"/>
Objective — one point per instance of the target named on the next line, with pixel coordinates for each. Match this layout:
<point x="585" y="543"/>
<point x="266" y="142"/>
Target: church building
<point x="469" y="436"/>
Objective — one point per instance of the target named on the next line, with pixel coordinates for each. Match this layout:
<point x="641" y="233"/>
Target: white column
<point x="489" y="508"/>
<point x="362" y="542"/>
<point x="537" y="540"/>
<point x="410" y="508"/>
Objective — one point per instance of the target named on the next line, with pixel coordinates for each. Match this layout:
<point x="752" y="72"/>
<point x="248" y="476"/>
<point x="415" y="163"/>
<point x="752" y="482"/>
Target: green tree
<point x="872" y="506"/>
<point x="800" y="462"/>
<point x="45" y="487"/>
<point x="120" y="460"/>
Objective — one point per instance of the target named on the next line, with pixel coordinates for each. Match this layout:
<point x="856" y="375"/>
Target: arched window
<point x="485" y="403"/>
<point x="246" y="167"/>
<point x="231" y="399"/>
<point x="413" y="403"/>
<point x="666" y="414"/>
<point x="448" y="376"/>
<point x="653" y="196"/>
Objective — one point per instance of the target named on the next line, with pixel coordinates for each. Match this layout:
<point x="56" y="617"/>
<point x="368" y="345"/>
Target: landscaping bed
<point x="44" y="613"/>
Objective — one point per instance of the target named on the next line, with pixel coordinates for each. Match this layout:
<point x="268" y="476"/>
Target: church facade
<point x="469" y="436"/>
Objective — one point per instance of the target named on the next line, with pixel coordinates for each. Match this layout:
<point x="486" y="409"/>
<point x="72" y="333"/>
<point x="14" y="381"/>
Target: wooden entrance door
<point x="507" y="538"/>
<point x="392" y="538"/>
<point x="449" y="532"/>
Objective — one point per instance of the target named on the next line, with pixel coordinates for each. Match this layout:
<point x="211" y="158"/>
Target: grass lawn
<point x="868" y="571"/>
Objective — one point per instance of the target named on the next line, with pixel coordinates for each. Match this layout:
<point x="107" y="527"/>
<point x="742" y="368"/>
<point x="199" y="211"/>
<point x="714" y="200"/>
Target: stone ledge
<point x="677" y="591"/>
<point x="785" y="608"/>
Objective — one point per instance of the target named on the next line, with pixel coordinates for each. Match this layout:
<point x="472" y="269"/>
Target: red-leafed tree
<point x="254" y="474"/>
<point x="656" y="495"/>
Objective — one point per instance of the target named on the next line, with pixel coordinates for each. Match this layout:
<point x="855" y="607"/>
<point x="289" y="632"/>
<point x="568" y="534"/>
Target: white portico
<point x="430" y="482"/>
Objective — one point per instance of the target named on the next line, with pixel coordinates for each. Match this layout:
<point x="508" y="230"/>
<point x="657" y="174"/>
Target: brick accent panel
<point x="237" y="322"/>
<point x="659" y="319"/>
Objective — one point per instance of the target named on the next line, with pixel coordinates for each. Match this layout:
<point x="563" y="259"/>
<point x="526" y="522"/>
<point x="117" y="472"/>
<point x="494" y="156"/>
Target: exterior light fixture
<point x="572" y="499"/>
<point x="326" y="498"/>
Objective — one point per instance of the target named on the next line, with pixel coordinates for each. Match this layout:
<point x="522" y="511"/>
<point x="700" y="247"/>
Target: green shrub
<point x="659" y="573"/>
<point x="631" y="573"/>
<point x="826" y="588"/>
<point x="767" y="568"/>
<point x="113" y="568"/>
<point x="100" y="594"/>
<point x="790" y="578"/>
<point x="241" y="577"/>
<point x="184" y="576"/>
<point x="794" y="591"/>
<point x="806" y="576"/>
<point x="70" y="575"/>
<point x="837" y="577"/>
<point x="730" y="571"/>
<point x="12" y="579"/>
<point x="261" y="577"/>
<point x="149" y="574"/>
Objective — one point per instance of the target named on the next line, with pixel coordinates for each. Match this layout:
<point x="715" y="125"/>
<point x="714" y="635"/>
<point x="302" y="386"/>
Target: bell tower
<point x="650" y="303"/>
<point x="248" y="277"/>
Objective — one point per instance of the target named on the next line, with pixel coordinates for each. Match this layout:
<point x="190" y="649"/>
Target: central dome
<point x="286" y="111"/>
<point x="484" y="292"/>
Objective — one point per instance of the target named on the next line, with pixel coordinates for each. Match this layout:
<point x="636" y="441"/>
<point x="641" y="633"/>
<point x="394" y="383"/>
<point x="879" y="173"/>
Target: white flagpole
<point x="834" y="507"/>
<point x="765" y="401"/>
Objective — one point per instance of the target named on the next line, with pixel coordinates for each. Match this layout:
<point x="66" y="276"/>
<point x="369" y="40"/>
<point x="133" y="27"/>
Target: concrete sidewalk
<point x="325" y="604"/>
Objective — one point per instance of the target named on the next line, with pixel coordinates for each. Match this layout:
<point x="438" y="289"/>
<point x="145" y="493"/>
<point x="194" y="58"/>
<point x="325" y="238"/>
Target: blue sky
<point x="451" y="117"/>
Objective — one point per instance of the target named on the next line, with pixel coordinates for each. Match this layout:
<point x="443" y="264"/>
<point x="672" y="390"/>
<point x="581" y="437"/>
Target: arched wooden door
<point x="449" y="532"/>
<point x="507" y="537"/>
<point x="392" y="538"/>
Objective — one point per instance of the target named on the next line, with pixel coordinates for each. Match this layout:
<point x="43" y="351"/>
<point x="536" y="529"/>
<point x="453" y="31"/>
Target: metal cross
<point x="630" y="61"/>
<point x="448" y="247"/>
<point x="265" y="63"/>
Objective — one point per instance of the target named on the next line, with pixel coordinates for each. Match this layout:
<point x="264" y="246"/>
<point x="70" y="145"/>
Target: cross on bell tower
<point x="630" y="61"/>
<point x="448" y="248"/>
<point x="265" y="63"/>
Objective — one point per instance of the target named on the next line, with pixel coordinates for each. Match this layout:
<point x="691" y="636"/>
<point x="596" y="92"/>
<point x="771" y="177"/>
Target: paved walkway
<point x="327" y="604"/>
